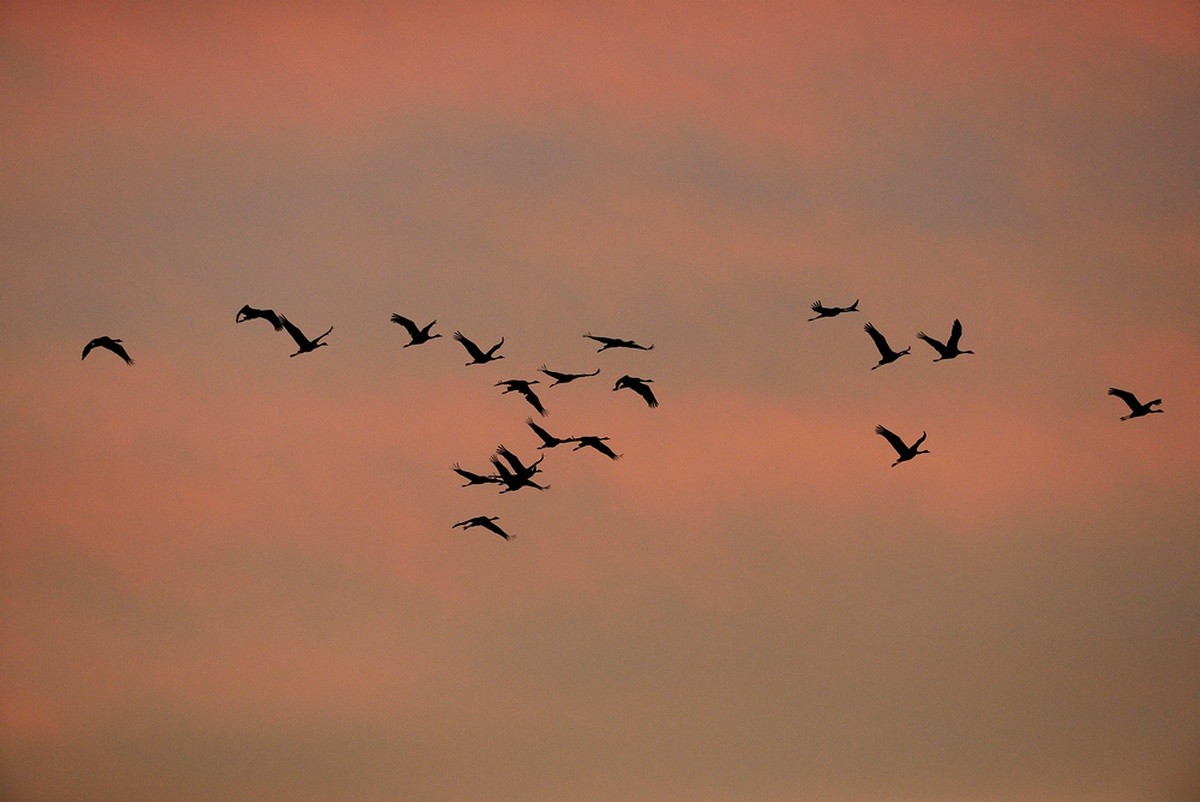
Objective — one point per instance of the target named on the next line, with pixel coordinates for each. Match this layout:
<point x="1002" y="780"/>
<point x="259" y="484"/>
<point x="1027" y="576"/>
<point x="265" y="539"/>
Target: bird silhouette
<point x="886" y="354"/>
<point x="613" y="342"/>
<point x="906" y="452"/>
<point x="1136" y="408"/>
<point x="591" y="441"/>
<point x="486" y="522"/>
<point x="478" y="356"/>
<point x="474" y="478"/>
<point x="110" y="344"/>
<point x="548" y="440"/>
<point x="416" y="335"/>
<point x="950" y="349"/>
<point x="831" y="311"/>
<point x="516" y="474"/>
<point x="563" y="378"/>
<point x="639" y="386"/>
<point x="303" y="343"/>
<point x="521" y="386"/>
<point x="248" y="312"/>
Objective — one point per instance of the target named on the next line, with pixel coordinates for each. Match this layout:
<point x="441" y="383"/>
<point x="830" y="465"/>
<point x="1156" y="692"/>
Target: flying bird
<point x="563" y="378"/>
<point x="613" y="342"/>
<point x="1136" y="408"/>
<point x="416" y="335"/>
<point x="486" y="522"/>
<point x="478" y="357"/>
<point x="248" y="312"/>
<point x="303" y="343"/>
<point x="950" y="349"/>
<point x="906" y="452"/>
<point x="518" y="475"/>
<point x="831" y="311"/>
<point x="548" y="440"/>
<point x="886" y="354"/>
<point x="111" y="344"/>
<point x="474" y="478"/>
<point x="597" y="443"/>
<point x="521" y="386"/>
<point x="639" y="386"/>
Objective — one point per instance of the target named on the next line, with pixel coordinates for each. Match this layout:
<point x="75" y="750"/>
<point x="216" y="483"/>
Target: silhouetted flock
<point x="511" y="473"/>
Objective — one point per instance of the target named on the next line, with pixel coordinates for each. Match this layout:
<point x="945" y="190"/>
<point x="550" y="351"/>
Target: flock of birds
<point x="945" y="350"/>
<point x="511" y="473"/>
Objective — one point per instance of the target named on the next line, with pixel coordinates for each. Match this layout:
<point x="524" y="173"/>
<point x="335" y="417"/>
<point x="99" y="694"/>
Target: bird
<point x="639" y="387"/>
<point x="486" y="522"/>
<point x="906" y="452"/>
<point x="886" y="354"/>
<point x="520" y="475"/>
<point x="950" y="349"/>
<point x="248" y="312"/>
<point x="597" y="443"/>
<point x="521" y="386"/>
<point x="303" y="343"/>
<point x="563" y="378"/>
<point x="474" y="478"/>
<point x="613" y="342"/>
<point x="1136" y="408"/>
<point x="548" y="440"/>
<point x="478" y="357"/>
<point x="831" y="311"/>
<point x="417" y="335"/>
<point x="111" y="344"/>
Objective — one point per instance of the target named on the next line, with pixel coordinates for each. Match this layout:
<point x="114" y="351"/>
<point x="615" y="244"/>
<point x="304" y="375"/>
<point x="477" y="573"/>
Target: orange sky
<point x="230" y="574"/>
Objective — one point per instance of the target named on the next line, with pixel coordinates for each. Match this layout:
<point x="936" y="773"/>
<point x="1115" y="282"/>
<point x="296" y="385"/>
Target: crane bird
<point x="831" y="311"/>
<point x="520" y="475"/>
<point x="613" y="342"/>
<point x="1136" y="408"/>
<point x="597" y="443"/>
<point x="950" y="349"/>
<point x="248" y="312"/>
<point x="639" y="386"/>
<point x="478" y="356"/>
<point x="886" y="354"/>
<point x="563" y="378"/>
<point x="521" y="386"/>
<point x="474" y="478"/>
<point x="303" y="343"/>
<point x="548" y="440"/>
<point x="486" y="522"/>
<point x="416" y="335"/>
<point x="906" y="452"/>
<point x="109" y="343"/>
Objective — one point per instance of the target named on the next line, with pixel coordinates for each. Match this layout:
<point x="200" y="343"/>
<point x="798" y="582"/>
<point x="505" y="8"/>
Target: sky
<point x="229" y="574"/>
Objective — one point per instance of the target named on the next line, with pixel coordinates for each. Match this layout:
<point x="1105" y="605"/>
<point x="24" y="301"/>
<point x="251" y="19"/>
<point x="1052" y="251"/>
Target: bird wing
<point x="605" y="340"/>
<point x="644" y="391"/>
<point x="532" y="398"/>
<point x="295" y="333"/>
<point x="495" y="347"/>
<point x="547" y="438"/>
<point x="513" y="460"/>
<point x="274" y="319"/>
<point x="896" y="442"/>
<point x="413" y="331"/>
<point x="117" y="349"/>
<point x="465" y="524"/>
<point x="955" y="333"/>
<point x="87" y="348"/>
<point x="1126" y="396"/>
<point x="920" y="440"/>
<point x="818" y="307"/>
<point x="471" y="347"/>
<point x="555" y="374"/>
<point x="603" y="449"/>
<point x="880" y="341"/>
<point x="937" y="346"/>
<point x="486" y="524"/>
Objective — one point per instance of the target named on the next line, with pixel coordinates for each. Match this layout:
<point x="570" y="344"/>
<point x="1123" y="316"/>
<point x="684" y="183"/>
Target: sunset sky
<point x="228" y="574"/>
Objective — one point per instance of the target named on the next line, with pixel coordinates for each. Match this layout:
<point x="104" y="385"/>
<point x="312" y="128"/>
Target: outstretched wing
<point x="896" y="442"/>
<point x="955" y="333"/>
<point x="413" y="331"/>
<point x="880" y="341"/>
<point x="119" y="350"/>
<point x="295" y="333"/>
<point x="1126" y="396"/>
<point x="547" y="438"/>
<point x="819" y="308"/>
<point x="486" y="524"/>
<point x="494" y="348"/>
<point x="597" y="444"/>
<point x="937" y="346"/>
<point x="555" y="374"/>
<point x="532" y="398"/>
<point x="472" y="348"/>
<point x="605" y="340"/>
<point x="640" y="387"/>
